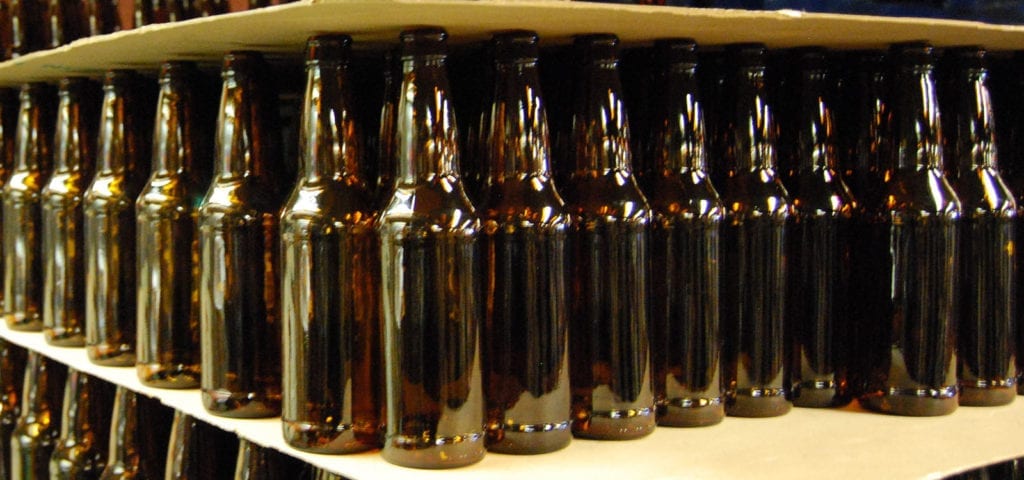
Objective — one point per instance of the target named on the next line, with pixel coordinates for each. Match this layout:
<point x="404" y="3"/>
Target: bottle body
<point x="35" y="434"/>
<point x="197" y="450"/>
<point x="81" y="451"/>
<point x="9" y="108"/>
<point x="258" y="463"/>
<point x="12" y="379"/>
<point x="28" y="23"/>
<point x="139" y="431"/>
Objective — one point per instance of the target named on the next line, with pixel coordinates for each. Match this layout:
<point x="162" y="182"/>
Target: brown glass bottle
<point x="752" y="278"/>
<point x="35" y="434"/>
<point x="206" y="8"/>
<point x="430" y="290"/>
<point x="986" y="368"/>
<point x="122" y="167"/>
<point x="817" y="250"/>
<point x="910" y="350"/>
<point x="332" y="378"/>
<point x="260" y="463"/>
<point x="139" y="430"/>
<point x="685" y="234"/>
<point x="238" y="230"/>
<point x="100" y="16"/>
<point x="525" y="252"/>
<point x="63" y="219"/>
<point x="320" y="474"/>
<point x="12" y="380"/>
<point x="81" y="450"/>
<point x="199" y="451"/>
<point x="610" y="374"/>
<point x="387" y="149"/>
<point x="22" y="236"/>
<point x="65" y="22"/>
<point x="9" y="107"/>
<point x="28" y="27"/>
<point x="148" y="12"/>
<point x="166" y="211"/>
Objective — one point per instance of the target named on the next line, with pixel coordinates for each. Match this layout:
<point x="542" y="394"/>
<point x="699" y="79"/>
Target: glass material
<point x="199" y="451"/>
<point x="101" y="17"/>
<point x="258" y="463"/>
<point x="22" y="226"/>
<point x="430" y="277"/>
<point x="12" y="380"/>
<point x="38" y="427"/>
<point x="65" y="22"/>
<point x="387" y="148"/>
<point x="28" y="27"/>
<point x="9" y="107"/>
<point x="139" y="430"/>
<point x="685" y="235"/>
<point x="81" y="450"/>
<point x="525" y="252"/>
<point x="148" y="12"/>
<point x="166" y="211"/>
<point x="332" y="376"/>
<point x="239" y="296"/>
<point x="74" y="150"/>
<point x="610" y="372"/>
<point x="122" y="167"/>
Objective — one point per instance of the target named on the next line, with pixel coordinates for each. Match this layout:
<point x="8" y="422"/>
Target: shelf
<point x="284" y="28"/>
<point x="847" y="443"/>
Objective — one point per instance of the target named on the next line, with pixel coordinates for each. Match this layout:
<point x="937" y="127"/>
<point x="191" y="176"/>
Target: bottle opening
<point x="328" y="48"/>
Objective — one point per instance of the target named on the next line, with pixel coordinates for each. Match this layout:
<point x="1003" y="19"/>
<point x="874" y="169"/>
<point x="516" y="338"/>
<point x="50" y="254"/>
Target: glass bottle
<point x="28" y="26"/>
<point x="817" y="248"/>
<point x="22" y="239"/>
<point x="238" y="236"/>
<point x="330" y="312"/>
<point x="10" y="105"/>
<point x="81" y="450"/>
<point x="387" y="139"/>
<point x="525" y="252"/>
<point x="35" y="434"/>
<point x="101" y="17"/>
<point x="64" y="22"/>
<point x="122" y="167"/>
<point x="985" y="320"/>
<point x="139" y="431"/>
<point x="610" y="375"/>
<point x="687" y="216"/>
<point x="260" y="463"/>
<point x="167" y="315"/>
<point x="910" y="349"/>
<point x="752" y="283"/>
<point x="12" y="380"/>
<point x="74" y="148"/>
<point x="197" y="450"/>
<point x="430" y="279"/>
<point x="148" y="12"/>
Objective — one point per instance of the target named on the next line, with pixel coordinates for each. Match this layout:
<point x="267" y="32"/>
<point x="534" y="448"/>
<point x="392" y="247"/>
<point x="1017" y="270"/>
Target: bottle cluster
<point x="387" y="279"/>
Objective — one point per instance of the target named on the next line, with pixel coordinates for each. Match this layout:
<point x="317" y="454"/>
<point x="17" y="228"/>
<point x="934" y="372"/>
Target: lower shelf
<point x="806" y="443"/>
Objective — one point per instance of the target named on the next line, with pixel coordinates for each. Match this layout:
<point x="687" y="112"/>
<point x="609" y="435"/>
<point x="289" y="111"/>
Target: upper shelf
<point x="285" y="28"/>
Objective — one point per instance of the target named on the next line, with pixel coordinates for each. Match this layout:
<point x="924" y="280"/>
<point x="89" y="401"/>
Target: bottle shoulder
<point x="684" y="195"/>
<point x="328" y="203"/>
<point x="438" y="205"/>
<point x="613" y="196"/>
<point x="528" y="201"/>
<point x="921" y="192"/>
<point x="983" y="192"/>
<point x="818" y="193"/>
<point x="755" y="193"/>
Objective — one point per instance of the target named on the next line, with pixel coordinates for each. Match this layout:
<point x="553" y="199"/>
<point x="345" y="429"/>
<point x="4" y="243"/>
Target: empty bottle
<point x="525" y="252"/>
<point x="197" y="450"/>
<point x="239" y="241"/>
<point x="74" y="149"/>
<point x="817" y="248"/>
<point x="22" y="227"/>
<point x="330" y="311"/>
<point x="35" y="434"/>
<point x="753" y="243"/>
<point x="81" y="450"/>
<point x="387" y="149"/>
<point x="122" y="167"/>
<point x="12" y="380"/>
<point x="101" y="17"/>
<point x="65" y="22"/>
<point x="985" y="321"/>
<point x="148" y="12"/>
<point x="9" y="107"/>
<point x="909" y="349"/>
<point x="685" y="235"/>
<point x="260" y="463"/>
<point x="612" y="395"/>
<point x="429" y="274"/>
<point x="28" y="27"/>
<point x="167" y="315"/>
<point x="139" y="431"/>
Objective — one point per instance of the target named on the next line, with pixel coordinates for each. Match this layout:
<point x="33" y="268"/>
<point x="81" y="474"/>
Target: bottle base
<point x="240" y="405"/>
<point x="690" y="412"/>
<point x="175" y="376"/>
<point x="111" y="355"/>
<point x="529" y="439"/>
<point x="987" y="396"/>
<point x="913" y="403"/>
<point x="810" y="397"/>
<point x="758" y="403"/>
<point x="616" y="424"/>
<point x="441" y="452"/>
<point x="62" y="337"/>
<point x="326" y="439"/>
<point x="23" y="322"/>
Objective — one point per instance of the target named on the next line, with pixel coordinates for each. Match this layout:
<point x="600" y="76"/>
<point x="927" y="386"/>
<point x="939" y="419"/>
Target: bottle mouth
<point x="518" y="45"/>
<point x="242" y="60"/>
<point x="912" y="53"/>
<point x="676" y="50"/>
<point x="966" y="56"/>
<point x="424" y="41"/>
<point x="597" y="47"/>
<point x="328" y="48"/>
<point x="72" y="83"/>
<point x="167" y="69"/>
<point x="746" y="54"/>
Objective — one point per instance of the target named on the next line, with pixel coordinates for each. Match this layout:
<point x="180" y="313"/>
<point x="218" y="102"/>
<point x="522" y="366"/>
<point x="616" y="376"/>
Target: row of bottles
<point x="790" y="246"/>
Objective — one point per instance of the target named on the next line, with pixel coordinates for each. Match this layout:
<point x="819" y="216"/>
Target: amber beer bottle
<point x="610" y="374"/>
<point x="910" y="349"/>
<point x="63" y="219"/>
<point x="22" y="226"/>
<point x="387" y="148"/>
<point x="35" y="434"/>
<point x="430" y="290"/>
<point x="28" y="27"/>
<point x="239" y="296"/>
<point x="985" y="320"/>
<point x="167" y="314"/>
<point x="81" y="450"/>
<point x="65" y="22"/>
<point x="526" y="257"/>
<point x="259" y="463"/>
<point x="9" y="108"/>
<point x="332" y="380"/>
<point x="100" y="17"/>
<point x="817" y="248"/>
<point x="197" y="450"/>
<point x="685" y="234"/>
<point x="148" y="12"/>
<point x="122" y="167"/>
<point x="139" y="431"/>
<point x="12" y="380"/>
<point x="752" y="282"/>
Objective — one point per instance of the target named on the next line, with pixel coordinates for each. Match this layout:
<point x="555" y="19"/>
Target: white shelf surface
<point x="847" y="443"/>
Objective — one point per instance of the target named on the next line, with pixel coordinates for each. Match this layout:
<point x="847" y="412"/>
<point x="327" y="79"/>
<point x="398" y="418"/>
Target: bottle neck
<point x="120" y="145"/>
<point x="174" y="127"/>
<point x="753" y="134"/>
<point x="974" y="133"/>
<point x="123" y="446"/>
<point x="600" y="125"/>
<point x="426" y="131"/>
<point x="680" y="144"/>
<point x="328" y="142"/>
<point x="815" y="148"/>
<point x="916" y="134"/>
<point x="245" y="145"/>
<point x="872" y="116"/>
<point x="519" y="137"/>
<point x="32" y="140"/>
<point x="73" y="138"/>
